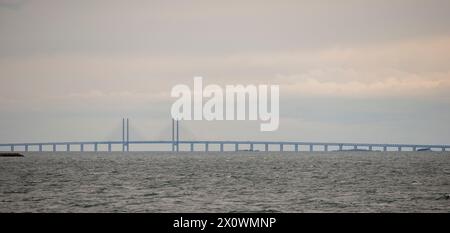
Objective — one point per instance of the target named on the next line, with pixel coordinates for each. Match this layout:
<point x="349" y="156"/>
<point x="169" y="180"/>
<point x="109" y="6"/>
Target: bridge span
<point x="219" y="146"/>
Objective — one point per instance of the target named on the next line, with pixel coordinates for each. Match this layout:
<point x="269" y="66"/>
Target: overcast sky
<point x="351" y="71"/>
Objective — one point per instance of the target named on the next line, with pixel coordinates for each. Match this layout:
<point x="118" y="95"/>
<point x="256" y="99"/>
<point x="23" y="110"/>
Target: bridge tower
<point x="125" y="135"/>
<point x="175" y="135"/>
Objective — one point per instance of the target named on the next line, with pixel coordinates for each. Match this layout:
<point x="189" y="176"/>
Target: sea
<point x="226" y="182"/>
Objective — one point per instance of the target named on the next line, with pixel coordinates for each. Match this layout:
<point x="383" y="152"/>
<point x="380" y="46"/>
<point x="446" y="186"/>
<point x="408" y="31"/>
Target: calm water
<point x="229" y="182"/>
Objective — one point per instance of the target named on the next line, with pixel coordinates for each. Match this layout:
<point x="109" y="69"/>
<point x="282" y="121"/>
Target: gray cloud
<point x="349" y="70"/>
<point x="206" y="27"/>
<point x="12" y="4"/>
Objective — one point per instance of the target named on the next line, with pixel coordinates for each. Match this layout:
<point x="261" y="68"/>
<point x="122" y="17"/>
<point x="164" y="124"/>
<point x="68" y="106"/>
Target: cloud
<point x="405" y="85"/>
<point x="400" y="69"/>
<point x="12" y="4"/>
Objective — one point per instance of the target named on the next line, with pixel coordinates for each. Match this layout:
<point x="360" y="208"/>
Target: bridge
<point x="177" y="145"/>
<point x="191" y="146"/>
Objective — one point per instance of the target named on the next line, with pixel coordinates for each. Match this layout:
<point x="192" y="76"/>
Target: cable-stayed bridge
<point x="176" y="145"/>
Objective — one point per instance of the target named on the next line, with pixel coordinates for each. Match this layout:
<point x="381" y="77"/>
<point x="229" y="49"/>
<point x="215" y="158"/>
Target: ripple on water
<point x="260" y="182"/>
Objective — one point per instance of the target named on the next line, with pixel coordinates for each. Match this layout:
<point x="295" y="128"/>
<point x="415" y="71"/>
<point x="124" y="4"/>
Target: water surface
<point x="226" y="182"/>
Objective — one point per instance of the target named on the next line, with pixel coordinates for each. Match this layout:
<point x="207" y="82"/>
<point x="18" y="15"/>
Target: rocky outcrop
<point x="10" y="154"/>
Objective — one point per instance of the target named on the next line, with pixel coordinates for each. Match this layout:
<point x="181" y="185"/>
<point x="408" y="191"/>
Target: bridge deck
<point x="298" y="146"/>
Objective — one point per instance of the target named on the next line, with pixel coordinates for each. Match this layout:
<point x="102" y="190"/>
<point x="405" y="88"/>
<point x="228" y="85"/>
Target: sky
<point x="349" y="71"/>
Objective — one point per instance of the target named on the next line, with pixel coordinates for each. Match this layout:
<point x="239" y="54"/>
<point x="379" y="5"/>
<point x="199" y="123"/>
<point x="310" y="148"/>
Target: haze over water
<point x="226" y="182"/>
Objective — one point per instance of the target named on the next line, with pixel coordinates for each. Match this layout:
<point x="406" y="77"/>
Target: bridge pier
<point x="251" y="145"/>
